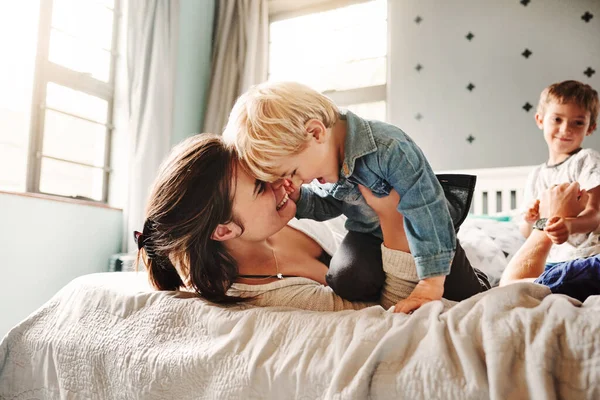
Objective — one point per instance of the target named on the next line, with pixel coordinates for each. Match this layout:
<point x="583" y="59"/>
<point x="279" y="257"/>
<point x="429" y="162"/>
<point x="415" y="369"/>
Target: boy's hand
<point x="533" y="213"/>
<point x="292" y="190"/>
<point x="558" y="230"/>
<point x="427" y="290"/>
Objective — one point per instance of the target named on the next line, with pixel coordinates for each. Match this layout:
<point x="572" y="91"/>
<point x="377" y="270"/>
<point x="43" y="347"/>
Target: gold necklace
<point x="277" y="275"/>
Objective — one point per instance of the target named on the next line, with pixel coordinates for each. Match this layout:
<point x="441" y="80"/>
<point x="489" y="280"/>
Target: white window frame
<point x="46" y="72"/>
<point x="285" y="9"/>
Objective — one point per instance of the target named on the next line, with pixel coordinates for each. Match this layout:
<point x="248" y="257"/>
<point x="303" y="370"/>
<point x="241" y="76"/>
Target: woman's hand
<point x="391" y="221"/>
<point x="383" y="206"/>
<point x="558" y="229"/>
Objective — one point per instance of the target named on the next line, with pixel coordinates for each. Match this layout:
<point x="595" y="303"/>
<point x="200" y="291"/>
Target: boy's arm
<point x="428" y="224"/>
<point x="530" y="207"/>
<point x="316" y="203"/>
<point x="525" y="228"/>
<point x="588" y="177"/>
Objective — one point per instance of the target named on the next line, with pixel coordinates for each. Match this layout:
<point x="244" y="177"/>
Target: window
<point x="341" y="52"/>
<point x="55" y="117"/>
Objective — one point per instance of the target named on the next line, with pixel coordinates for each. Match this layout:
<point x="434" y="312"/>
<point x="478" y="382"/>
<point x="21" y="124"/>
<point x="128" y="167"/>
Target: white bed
<point x="110" y="336"/>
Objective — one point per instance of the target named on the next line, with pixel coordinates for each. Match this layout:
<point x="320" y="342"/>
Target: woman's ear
<point x="225" y="232"/>
<point x="316" y="129"/>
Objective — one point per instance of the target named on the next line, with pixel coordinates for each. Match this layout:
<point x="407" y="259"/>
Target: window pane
<point x="374" y="110"/>
<point x="84" y="19"/>
<point x="18" y="40"/>
<point x="58" y="177"/>
<point x="74" y="139"/>
<point x="356" y="74"/>
<point x="339" y="49"/>
<point x="75" y="102"/>
<point x="79" y="56"/>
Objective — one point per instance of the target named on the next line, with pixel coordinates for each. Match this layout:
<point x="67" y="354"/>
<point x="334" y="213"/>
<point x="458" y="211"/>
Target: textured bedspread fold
<point x="107" y="336"/>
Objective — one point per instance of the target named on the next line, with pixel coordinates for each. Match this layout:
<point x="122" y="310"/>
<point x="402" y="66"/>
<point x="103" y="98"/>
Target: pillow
<point x="490" y="244"/>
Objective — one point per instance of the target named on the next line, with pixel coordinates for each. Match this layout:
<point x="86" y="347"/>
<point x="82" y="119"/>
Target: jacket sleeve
<point x="428" y="223"/>
<point x="316" y="203"/>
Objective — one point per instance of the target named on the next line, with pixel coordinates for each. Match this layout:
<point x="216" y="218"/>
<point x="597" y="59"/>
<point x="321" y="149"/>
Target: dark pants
<point x="579" y="278"/>
<point x="356" y="272"/>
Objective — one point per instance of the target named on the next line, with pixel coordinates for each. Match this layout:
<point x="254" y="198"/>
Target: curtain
<point x="240" y="56"/>
<point x="151" y="50"/>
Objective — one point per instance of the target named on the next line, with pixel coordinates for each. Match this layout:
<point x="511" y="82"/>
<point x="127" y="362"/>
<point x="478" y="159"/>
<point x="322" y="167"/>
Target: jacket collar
<point x="359" y="141"/>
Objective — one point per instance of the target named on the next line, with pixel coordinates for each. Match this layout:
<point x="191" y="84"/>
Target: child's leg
<point x="578" y="278"/>
<point x="356" y="272"/>
<point x="464" y="281"/>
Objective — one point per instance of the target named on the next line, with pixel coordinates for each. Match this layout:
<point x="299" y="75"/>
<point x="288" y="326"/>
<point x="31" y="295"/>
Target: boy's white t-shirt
<point x="582" y="167"/>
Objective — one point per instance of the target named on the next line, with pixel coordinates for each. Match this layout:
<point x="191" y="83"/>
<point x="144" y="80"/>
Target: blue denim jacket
<point x="381" y="156"/>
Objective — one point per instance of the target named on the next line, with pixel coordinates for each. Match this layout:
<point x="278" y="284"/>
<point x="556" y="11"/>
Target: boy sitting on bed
<point x="567" y="113"/>
<point x="289" y="131"/>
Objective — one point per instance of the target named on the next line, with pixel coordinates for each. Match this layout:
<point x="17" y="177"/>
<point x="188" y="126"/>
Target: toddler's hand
<point x="292" y="190"/>
<point x="558" y="230"/>
<point x="427" y="290"/>
<point x="533" y="213"/>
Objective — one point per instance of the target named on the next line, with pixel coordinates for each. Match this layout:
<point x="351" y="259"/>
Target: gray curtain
<point x="151" y="50"/>
<point x="240" y="56"/>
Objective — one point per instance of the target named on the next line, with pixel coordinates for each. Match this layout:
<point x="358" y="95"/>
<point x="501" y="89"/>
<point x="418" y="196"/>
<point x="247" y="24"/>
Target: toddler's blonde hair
<point x="267" y="123"/>
<point x="572" y="92"/>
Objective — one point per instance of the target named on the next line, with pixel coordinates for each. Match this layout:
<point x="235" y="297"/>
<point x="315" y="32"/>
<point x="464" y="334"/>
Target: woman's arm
<point x="301" y="293"/>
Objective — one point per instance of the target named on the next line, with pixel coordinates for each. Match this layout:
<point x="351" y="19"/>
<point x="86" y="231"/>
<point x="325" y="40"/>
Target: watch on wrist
<point x="540" y="224"/>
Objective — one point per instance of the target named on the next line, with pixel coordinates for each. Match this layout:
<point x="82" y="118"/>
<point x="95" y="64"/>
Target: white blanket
<point x="107" y="336"/>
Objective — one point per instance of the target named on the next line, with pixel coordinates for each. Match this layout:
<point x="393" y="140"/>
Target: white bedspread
<point x="106" y="336"/>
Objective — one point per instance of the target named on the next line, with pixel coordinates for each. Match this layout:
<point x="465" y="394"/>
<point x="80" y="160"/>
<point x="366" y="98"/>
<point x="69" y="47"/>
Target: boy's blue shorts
<point x="578" y="278"/>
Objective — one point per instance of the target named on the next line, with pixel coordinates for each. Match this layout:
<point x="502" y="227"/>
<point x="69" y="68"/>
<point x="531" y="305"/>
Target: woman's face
<point x="262" y="208"/>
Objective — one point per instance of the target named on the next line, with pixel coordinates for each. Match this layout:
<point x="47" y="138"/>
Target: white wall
<point x="563" y="47"/>
<point x="44" y="244"/>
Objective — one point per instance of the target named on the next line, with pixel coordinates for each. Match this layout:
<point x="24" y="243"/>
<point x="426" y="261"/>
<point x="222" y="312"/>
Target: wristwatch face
<point x="540" y="224"/>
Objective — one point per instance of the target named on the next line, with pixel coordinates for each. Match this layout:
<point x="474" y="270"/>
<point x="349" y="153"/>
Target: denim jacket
<point x="381" y="156"/>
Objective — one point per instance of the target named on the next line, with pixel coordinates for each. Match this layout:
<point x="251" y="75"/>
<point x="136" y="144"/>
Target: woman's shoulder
<point x="302" y="293"/>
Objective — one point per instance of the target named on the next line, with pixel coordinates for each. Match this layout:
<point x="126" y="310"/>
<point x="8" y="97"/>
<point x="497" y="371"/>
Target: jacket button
<point x="345" y="169"/>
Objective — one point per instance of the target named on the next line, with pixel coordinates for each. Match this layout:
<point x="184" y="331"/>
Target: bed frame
<point x="498" y="190"/>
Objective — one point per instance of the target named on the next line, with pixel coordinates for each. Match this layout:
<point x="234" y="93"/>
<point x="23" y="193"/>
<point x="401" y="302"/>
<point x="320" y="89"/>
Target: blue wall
<point x="193" y="67"/>
<point x="44" y="244"/>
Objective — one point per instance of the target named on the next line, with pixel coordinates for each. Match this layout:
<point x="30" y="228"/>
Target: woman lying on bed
<point x="213" y="229"/>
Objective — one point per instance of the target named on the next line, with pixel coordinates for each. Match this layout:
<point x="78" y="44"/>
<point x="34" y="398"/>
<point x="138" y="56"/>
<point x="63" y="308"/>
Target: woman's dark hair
<point x="191" y="195"/>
